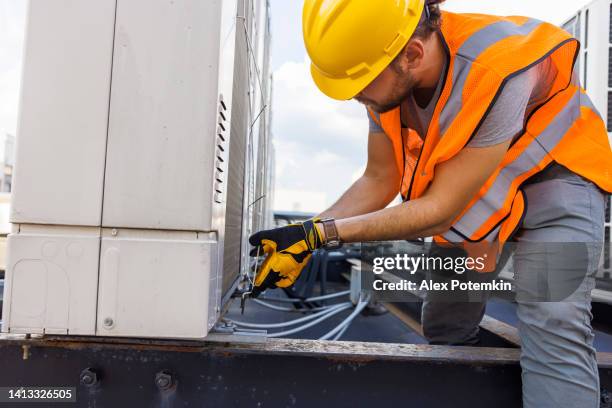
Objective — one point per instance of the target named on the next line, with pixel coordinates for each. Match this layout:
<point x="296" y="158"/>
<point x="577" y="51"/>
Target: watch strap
<point x="332" y="238"/>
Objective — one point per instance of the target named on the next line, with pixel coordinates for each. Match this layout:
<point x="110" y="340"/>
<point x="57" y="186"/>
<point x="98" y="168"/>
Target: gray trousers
<point x="558" y="361"/>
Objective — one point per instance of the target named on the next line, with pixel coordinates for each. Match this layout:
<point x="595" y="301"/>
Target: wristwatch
<point x="332" y="239"/>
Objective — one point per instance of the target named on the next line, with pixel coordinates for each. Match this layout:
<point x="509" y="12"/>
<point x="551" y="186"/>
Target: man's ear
<point x="413" y="54"/>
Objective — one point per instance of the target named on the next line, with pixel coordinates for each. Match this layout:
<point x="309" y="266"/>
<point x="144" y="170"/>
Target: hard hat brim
<point x="342" y="89"/>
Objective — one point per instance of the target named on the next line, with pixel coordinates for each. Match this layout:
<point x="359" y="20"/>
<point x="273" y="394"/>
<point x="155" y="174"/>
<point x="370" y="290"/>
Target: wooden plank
<point x="405" y="317"/>
<point x="507" y="332"/>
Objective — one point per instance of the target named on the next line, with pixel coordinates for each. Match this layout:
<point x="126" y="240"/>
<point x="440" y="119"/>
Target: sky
<point x="320" y="143"/>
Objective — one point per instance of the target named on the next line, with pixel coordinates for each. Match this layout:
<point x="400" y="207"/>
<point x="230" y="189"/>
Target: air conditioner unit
<point x="129" y="198"/>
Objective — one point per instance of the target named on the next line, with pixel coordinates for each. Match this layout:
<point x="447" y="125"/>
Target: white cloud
<point x="319" y="142"/>
<point x="299" y="200"/>
<point x="293" y="85"/>
<point x="554" y="11"/>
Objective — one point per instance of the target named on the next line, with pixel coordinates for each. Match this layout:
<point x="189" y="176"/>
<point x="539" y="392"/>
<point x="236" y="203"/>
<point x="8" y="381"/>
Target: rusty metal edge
<point x="337" y="350"/>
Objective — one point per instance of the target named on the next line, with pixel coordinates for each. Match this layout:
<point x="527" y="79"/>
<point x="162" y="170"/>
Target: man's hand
<point x="288" y="250"/>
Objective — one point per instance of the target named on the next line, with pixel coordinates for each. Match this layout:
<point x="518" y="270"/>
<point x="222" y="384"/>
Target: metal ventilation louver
<point x="610" y="39"/>
<point x="220" y="149"/>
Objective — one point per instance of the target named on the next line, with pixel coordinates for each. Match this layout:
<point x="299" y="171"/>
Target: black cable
<point x="404" y="199"/>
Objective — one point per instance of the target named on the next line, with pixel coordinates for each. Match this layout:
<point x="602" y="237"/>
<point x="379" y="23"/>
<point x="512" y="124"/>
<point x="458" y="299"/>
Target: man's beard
<point x="401" y="90"/>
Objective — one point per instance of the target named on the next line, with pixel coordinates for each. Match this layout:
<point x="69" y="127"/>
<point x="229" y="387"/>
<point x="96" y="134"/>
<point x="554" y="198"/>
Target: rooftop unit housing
<point x="134" y="169"/>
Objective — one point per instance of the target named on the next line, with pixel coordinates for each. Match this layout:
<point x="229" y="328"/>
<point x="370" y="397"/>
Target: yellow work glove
<point x="288" y="250"/>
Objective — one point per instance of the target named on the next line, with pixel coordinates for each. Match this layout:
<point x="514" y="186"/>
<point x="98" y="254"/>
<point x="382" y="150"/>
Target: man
<point x="471" y="118"/>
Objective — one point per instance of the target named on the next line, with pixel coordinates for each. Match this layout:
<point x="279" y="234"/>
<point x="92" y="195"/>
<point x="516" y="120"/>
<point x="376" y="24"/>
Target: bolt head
<point x="88" y="377"/>
<point x="108" y="322"/>
<point x="163" y="380"/>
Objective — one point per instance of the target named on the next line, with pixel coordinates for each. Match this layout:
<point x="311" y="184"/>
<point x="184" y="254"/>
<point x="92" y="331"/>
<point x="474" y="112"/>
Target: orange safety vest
<point x="484" y="53"/>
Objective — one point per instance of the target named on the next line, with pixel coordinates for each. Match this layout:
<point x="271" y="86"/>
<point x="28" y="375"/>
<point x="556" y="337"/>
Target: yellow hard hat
<point x="350" y="42"/>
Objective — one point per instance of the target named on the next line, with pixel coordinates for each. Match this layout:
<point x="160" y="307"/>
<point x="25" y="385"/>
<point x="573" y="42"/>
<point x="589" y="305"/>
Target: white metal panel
<point x="5" y="227"/>
<point x="229" y="25"/>
<point x="595" y="43"/>
<point x="163" y="117"/>
<point x="51" y="281"/>
<point x="155" y="284"/>
<point x="63" y="117"/>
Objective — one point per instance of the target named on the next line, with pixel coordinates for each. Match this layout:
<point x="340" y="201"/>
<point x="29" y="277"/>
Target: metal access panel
<point x="52" y="280"/>
<point x="156" y="284"/>
<point x="63" y="112"/>
<point x="165" y="109"/>
<point x="53" y="251"/>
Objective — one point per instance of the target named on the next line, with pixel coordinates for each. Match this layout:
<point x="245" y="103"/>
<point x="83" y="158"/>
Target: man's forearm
<point x="456" y="183"/>
<point x="410" y="220"/>
<point x="364" y="196"/>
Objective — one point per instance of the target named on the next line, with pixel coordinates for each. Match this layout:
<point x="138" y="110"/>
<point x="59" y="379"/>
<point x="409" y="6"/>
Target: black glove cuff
<point x="313" y="238"/>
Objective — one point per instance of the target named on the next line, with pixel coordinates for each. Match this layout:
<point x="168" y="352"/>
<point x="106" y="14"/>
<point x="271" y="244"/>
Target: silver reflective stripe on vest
<point x="537" y="150"/>
<point x="469" y="52"/>
<point x="452" y="236"/>
<point x="586" y="102"/>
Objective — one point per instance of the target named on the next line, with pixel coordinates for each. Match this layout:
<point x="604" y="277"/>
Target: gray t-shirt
<point x="506" y="119"/>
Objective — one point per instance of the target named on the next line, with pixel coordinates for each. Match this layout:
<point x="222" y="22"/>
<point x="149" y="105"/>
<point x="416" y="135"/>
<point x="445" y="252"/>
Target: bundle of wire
<point x="318" y="315"/>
